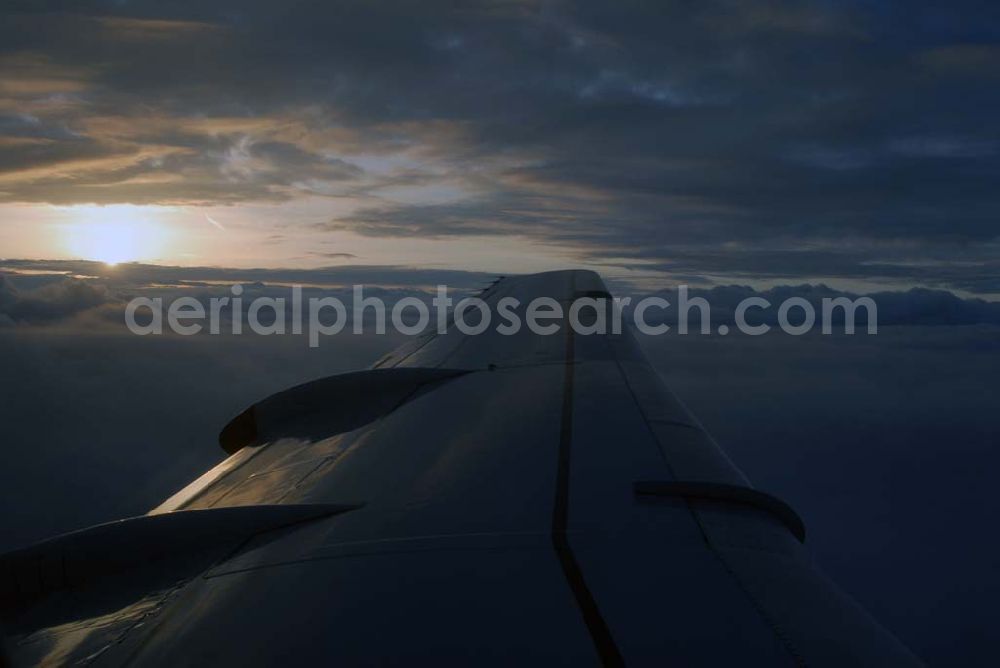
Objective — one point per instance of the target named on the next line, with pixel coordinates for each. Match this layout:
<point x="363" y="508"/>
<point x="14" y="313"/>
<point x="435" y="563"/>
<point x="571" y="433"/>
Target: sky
<point x="854" y="143"/>
<point x="748" y="148"/>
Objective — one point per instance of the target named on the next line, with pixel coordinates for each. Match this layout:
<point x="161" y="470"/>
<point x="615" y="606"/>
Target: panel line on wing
<point x="600" y="634"/>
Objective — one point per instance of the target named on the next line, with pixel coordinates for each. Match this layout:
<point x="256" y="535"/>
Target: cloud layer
<point x="65" y="292"/>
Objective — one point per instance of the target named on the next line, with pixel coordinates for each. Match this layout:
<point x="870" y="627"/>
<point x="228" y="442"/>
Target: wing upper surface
<point x="499" y="521"/>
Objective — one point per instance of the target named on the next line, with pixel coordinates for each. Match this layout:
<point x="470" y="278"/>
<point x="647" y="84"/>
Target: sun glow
<point x="116" y="233"/>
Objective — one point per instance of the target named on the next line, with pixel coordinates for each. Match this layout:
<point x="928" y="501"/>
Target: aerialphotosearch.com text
<point x="586" y="315"/>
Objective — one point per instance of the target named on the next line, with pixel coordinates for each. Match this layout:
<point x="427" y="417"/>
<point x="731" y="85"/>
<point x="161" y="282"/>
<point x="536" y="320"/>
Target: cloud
<point x="52" y="302"/>
<point x="961" y="267"/>
<point x="916" y="306"/>
<point x="599" y="127"/>
<point x="966" y="59"/>
<point x="335" y="256"/>
<point x="134" y="274"/>
<point x="215" y="223"/>
<point x="82" y="294"/>
<point x="65" y="293"/>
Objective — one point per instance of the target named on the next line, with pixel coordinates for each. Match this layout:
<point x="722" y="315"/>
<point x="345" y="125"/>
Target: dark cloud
<point x="966" y="267"/>
<point x="635" y="128"/>
<point x="335" y="256"/>
<point x="52" y="302"/>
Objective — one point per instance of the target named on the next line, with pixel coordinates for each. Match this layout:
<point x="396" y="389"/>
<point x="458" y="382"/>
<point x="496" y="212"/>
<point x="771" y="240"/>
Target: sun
<point x="115" y="233"/>
<point x="110" y="243"/>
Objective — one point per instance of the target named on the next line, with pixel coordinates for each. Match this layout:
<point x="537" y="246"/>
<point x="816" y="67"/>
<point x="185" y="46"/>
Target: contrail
<point x="214" y="222"/>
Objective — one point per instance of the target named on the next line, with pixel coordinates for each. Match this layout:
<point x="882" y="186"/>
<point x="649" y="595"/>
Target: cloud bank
<point x="63" y="292"/>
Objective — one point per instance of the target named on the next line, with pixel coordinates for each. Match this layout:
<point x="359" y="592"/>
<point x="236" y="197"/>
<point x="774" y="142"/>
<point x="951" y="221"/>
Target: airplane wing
<point x="491" y="499"/>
